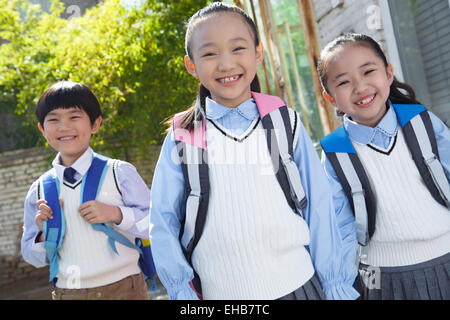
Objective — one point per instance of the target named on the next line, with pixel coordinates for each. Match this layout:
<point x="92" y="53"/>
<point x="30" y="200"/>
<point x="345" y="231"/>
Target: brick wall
<point x="18" y="170"/>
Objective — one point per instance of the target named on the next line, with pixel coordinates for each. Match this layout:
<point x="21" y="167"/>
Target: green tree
<point x="130" y="56"/>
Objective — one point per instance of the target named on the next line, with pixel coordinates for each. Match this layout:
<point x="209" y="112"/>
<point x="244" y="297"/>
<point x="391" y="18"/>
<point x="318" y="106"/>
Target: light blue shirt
<point x="380" y="136"/>
<point x="168" y="209"/>
<point x="135" y="196"/>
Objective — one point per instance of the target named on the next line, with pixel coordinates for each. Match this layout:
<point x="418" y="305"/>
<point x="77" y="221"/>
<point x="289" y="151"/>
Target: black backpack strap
<point x="196" y="175"/>
<point x="280" y="143"/>
<point x="354" y="180"/>
<point x="421" y="141"/>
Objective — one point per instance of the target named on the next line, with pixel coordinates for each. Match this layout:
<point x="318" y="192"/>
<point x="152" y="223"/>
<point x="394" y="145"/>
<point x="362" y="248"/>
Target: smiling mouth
<point x="67" y="138"/>
<point x="229" y="79"/>
<point x="366" y="100"/>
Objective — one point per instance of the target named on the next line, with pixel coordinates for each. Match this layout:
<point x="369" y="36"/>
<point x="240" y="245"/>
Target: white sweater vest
<point x="411" y="227"/>
<point x="253" y="244"/>
<point x="85" y="258"/>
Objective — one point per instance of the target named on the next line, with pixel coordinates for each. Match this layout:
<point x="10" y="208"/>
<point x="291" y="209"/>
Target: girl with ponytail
<point x="252" y="244"/>
<point x="405" y="254"/>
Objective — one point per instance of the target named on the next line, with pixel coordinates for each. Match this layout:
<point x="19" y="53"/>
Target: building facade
<point x="415" y="35"/>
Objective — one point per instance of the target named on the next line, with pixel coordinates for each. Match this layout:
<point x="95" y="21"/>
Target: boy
<point x="89" y="264"/>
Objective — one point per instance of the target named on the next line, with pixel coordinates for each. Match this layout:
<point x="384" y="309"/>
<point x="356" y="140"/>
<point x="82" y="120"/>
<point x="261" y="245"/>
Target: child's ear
<point x="190" y="67"/>
<point x="96" y="125"/>
<point x="390" y="73"/>
<point x="329" y="98"/>
<point x="259" y="53"/>
<point x="41" y="128"/>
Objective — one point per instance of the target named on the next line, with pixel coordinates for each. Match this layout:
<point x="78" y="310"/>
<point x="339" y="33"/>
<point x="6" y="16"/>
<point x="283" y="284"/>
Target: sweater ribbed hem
<point x="105" y="278"/>
<point x="394" y="254"/>
<point x="261" y="285"/>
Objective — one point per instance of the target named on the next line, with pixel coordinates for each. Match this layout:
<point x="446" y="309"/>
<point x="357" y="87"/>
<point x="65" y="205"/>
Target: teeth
<point x="365" y="101"/>
<point x="229" y="79"/>
<point x="66" y="138"/>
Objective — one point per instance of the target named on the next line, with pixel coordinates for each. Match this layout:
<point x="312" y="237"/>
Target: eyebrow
<point x="210" y="44"/>
<point x="361" y="66"/>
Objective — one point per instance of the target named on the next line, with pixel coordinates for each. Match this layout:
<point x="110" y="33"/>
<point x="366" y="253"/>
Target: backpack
<point x="421" y="141"/>
<point x="192" y="149"/>
<point x="54" y="229"/>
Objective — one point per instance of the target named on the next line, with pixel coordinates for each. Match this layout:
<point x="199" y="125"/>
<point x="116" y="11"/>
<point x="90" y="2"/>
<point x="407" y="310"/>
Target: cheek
<point x="48" y="134"/>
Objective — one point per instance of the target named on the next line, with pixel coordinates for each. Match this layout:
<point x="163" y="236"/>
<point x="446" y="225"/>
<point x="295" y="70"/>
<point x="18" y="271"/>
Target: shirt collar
<point x="364" y="134"/>
<point x="247" y="109"/>
<point x="81" y="165"/>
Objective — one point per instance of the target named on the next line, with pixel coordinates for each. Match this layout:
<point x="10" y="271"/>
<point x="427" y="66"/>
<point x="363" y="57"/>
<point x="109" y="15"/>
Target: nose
<point x="62" y="125"/>
<point x="225" y="62"/>
<point x="359" y="85"/>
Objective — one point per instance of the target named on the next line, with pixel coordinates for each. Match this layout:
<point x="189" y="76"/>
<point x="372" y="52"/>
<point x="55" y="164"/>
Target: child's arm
<point x="32" y="250"/>
<point x="442" y="134"/>
<point x="333" y="254"/>
<point x="166" y="214"/>
<point x="136" y="198"/>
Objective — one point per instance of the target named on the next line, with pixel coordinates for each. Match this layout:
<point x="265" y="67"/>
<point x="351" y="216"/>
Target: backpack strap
<point x="145" y="262"/>
<point x="350" y="171"/>
<point x="275" y="114"/>
<point x="191" y="147"/>
<point x="90" y="186"/>
<point x="53" y="229"/>
<point x="421" y="141"/>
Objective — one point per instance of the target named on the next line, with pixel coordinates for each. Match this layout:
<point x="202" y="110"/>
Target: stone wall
<point x="18" y="170"/>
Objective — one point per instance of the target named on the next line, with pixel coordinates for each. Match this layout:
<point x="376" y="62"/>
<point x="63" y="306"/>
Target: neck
<point x="68" y="159"/>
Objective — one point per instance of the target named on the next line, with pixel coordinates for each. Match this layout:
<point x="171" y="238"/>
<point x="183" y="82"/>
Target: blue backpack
<point x="54" y="229"/>
<point x="419" y="136"/>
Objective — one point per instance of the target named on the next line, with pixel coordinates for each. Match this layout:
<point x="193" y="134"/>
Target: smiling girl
<point x="232" y="230"/>
<point x="392" y="160"/>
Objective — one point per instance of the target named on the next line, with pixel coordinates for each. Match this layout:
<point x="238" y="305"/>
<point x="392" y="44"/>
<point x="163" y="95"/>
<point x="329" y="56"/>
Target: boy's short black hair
<point x="68" y="94"/>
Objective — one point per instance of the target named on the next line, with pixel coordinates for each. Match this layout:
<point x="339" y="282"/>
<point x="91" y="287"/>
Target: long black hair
<point x="395" y="94"/>
<point x="197" y="110"/>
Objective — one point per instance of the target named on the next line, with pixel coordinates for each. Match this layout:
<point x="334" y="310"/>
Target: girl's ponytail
<point x="397" y="96"/>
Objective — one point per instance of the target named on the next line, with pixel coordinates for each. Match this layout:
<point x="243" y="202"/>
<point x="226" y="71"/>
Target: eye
<point x="369" y="71"/>
<point x="239" y="49"/>
<point x="75" y="117"/>
<point x="52" y="120"/>
<point x="343" y="83"/>
<point x="208" y="54"/>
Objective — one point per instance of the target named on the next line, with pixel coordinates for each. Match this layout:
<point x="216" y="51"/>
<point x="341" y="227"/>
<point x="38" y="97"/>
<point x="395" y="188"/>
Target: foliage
<point x="130" y="56"/>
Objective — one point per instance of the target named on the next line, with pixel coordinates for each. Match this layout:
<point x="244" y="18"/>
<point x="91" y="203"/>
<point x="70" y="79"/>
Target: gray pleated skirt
<point x="429" y="280"/>
<point x="311" y="290"/>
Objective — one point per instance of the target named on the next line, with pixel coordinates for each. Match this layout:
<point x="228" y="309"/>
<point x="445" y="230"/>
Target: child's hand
<point x="98" y="212"/>
<point x="44" y="213"/>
